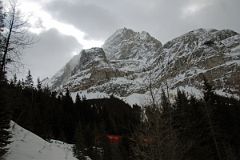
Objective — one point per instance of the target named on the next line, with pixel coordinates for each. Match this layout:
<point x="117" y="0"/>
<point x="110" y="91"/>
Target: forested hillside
<point x="184" y="94"/>
<point x="189" y="128"/>
<point x="83" y="122"/>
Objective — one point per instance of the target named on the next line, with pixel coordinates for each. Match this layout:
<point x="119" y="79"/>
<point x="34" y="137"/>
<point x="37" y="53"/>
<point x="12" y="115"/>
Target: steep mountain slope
<point x="132" y="62"/>
<point x="27" y="146"/>
<point x="125" y="44"/>
<point x="212" y="53"/>
<point x="111" y="70"/>
<point x="62" y="76"/>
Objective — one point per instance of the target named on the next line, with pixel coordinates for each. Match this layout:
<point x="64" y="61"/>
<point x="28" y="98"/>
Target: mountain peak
<point x="128" y="44"/>
<point x="128" y="58"/>
<point x="123" y="31"/>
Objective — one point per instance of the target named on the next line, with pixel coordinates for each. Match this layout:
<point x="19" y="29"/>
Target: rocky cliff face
<point x="211" y="53"/>
<point x="125" y="44"/>
<point x="130" y="61"/>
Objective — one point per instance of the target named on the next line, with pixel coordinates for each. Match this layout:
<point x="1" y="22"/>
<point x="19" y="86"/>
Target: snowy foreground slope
<point x="28" y="146"/>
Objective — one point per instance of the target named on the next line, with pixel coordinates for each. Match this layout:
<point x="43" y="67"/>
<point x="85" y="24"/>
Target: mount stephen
<point x="133" y="64"/>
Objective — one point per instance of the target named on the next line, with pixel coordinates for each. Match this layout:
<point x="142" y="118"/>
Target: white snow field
<point x="28" y="146"/>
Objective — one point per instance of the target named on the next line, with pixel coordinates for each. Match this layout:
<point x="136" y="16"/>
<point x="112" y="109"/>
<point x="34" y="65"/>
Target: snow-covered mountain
<point x="212" y="53"/>
<point x="129" y="63"/>
<point x="28" y="146"/>
<point x="125" y="44"/>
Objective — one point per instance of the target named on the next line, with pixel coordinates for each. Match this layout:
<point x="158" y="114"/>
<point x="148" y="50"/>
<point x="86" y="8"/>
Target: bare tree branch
<point x="15" y="35"/>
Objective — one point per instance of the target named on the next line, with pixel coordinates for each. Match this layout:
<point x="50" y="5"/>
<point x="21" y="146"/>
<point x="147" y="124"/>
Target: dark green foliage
<point x="78" y="100"/>
<point x="79" y="146"/>
<point x="29" y="80"/>
<point x="188" y="128"/>
<point x="39" y="84"/>
<point x="100" y="117"/>
<point x="56" y="116"/>
<point x="4" y="116"/>
<point x="191" y="128"/>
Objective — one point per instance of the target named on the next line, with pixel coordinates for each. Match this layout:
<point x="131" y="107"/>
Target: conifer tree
<point x="79" y="146"/>
<point x="15" y="79"/>
<point x="29" y="80"/>
<point x="4" y="117"/>
<point x="78" y="100"/>
<point x="209" y="107"/>
<point x="67" y="98"/>
<point x="39" y="84"/>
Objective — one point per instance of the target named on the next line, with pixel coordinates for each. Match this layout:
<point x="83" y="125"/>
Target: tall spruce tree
<point x="29" y="80"/>
<point x="39" y="84"/>
<point x="78" y="100"/>
<point x="79" y="146"/>
<point x="15" y="79"/>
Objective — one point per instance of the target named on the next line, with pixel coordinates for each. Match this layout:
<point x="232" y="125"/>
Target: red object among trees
<point x="114" y="138"/>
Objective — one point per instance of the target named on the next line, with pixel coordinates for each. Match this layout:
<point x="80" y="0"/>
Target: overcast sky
<point x="64" y="27"/>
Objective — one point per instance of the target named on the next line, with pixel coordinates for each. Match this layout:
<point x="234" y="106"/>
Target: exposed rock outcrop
<point x="129" y="61"/>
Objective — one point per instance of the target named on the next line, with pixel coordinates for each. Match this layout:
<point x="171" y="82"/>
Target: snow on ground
<point x="146" y="99"/>
<point x="89" y="95"/>
<point x="191" y="91"/>
<point x="135" y="98"/>
<point x="141" y="99"/>
<point x="222" y="93"/>
<point x="28" y="146"/>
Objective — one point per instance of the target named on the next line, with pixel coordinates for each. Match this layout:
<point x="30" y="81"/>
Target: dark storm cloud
<point x="164" y="19"/>
<point x="223" y="14"/>
<point x="50" y="53"/>
<point x="92" y="19"/>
